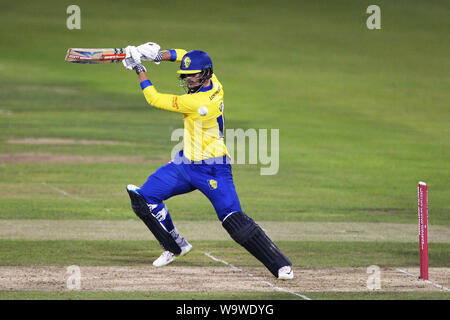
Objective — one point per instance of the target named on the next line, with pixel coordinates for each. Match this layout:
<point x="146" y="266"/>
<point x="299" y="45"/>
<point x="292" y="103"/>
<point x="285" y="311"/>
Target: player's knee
<point x="157" y="209"/>
<point x="149" y="198"/>
<point x="240" y="226"/>
<point x="143" y="210"/>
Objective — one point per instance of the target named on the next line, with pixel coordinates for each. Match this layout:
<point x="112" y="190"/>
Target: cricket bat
<point x="95" y="56"/>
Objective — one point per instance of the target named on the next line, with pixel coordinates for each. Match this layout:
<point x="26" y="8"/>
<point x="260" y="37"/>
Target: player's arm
<point x="174" y="55"/>
<point x="151" y="51"/>
<point x="175" y="103"/>
<point x="182" y="104"/>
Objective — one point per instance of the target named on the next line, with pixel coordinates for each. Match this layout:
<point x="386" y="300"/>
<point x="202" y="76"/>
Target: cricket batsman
<point x="203" y="163"/>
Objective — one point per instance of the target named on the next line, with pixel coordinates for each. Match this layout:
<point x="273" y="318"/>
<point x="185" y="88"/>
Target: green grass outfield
<point x="363" y="116"/>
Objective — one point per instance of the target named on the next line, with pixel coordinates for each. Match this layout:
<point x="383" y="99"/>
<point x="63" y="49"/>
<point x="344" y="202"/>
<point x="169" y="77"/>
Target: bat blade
<point x="95" y="56"/>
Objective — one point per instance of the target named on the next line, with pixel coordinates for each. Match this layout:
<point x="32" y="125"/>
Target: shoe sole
<point x="288" y="276"/>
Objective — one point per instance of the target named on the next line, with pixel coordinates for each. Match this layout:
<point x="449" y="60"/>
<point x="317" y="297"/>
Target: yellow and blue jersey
<point x="203" y="140"/>
<point x="202" y="115"/>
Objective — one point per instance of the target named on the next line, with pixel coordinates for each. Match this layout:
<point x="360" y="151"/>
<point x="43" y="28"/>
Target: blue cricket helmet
<point x="195" y="61"/>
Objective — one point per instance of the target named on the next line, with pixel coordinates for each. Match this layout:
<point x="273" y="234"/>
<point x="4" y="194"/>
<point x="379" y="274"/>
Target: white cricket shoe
<point x="167" y="257"/>
<point x="285" y="273"/>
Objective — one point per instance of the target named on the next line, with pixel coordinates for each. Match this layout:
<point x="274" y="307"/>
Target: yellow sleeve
<point x="177" y="54"/>
<point x="171" y="102"/>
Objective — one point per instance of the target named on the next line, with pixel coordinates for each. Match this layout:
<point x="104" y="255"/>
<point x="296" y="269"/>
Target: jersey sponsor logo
<point x="212" y="184"/>
<point x="175" y="103"/>
<point x="211" y="97"/>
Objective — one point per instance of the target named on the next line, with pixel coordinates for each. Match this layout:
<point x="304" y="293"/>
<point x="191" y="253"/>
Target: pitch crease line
<point x="61" y="191"/>
<point x="255" y="278"/>
<point x="426" y="281"/>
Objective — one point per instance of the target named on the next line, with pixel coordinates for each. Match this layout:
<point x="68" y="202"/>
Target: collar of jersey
<point x="204" y="89"/>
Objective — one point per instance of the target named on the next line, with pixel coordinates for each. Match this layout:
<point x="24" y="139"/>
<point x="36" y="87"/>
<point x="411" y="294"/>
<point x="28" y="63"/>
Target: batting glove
<point x="149" y="51"/>
<point x="132" y="57"/>
<point x="139" y="68"/>
<point x="132" y="52"/>
<point x="129" y="63"/>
